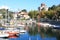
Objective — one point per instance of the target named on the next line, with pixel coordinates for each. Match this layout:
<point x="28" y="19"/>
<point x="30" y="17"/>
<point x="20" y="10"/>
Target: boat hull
<point x="4" y="35"/>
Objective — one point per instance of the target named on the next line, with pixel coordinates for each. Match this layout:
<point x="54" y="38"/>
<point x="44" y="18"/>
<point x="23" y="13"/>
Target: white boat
<point x="3" y="34"/>
<point x="12" y="31"/>
<point x="20" y="25"/>
<point x="23" y="31"/>
<point x="44" y="24"/>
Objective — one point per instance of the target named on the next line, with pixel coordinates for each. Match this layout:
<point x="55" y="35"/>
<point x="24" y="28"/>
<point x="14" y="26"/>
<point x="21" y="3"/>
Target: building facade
<point x="43" y="7"/>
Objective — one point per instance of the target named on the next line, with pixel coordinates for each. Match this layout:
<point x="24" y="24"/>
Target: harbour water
<point x="26" y="36"/>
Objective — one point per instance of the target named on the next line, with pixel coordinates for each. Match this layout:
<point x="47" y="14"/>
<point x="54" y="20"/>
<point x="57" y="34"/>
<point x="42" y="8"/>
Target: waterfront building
<point x="23" y="15"/>
<point x="43" y="7"/>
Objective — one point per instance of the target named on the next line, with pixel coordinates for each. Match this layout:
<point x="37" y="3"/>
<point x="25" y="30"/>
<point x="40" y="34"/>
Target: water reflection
<point x="33" y="31"/>
<point x="3" y="39"/>
<point x="38" y="33"/>
<point x="45" y="32"/>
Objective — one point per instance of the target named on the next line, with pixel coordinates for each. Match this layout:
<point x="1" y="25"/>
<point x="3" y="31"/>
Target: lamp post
<point x="7" y="14"/>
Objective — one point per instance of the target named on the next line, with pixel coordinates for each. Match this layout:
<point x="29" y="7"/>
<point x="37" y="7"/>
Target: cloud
<point x="4" y="7"/>
<point x="7" y="7"/>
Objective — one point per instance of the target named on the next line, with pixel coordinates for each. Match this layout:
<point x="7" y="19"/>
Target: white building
<point x="43" y="7"/>
<point x="24" y="15"/>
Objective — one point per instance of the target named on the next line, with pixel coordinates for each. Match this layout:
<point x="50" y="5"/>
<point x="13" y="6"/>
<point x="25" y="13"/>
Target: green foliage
<point x="49" y="14"/>
<point x="1" y="17"/>
<point x="33" y="13"/>
<point x="11" y="14"/>
<point x="0" y="25"/>
<point x="24" y="10"/>
<point x="42" y="14"/>
<point x="4" y="11"/>
<point x="52" y="13"/>
<point x="52" y="8"/>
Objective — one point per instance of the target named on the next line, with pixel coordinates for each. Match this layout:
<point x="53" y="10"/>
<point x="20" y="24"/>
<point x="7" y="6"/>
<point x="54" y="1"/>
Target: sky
<point x="17" y="5"/>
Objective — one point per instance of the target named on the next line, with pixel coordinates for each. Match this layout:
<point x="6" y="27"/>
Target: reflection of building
<point x="43" y="7"/>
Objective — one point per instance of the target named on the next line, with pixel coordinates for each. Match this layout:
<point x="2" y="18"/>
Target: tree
<point x="11" y="14"/>
<point x="33" y="13"/>
<point x="24" y="10"/>
<point x="42" y="14"/>
<point x="52" y="8"/>
<point x="49" y="14"/>
<point x="59" y="5"/>
<point x="53" y="12"/>
<point x="4" y="13"/>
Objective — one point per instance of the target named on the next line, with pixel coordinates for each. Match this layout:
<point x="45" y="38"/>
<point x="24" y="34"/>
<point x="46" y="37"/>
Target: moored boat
<point x="3" y="34"/>
<point x="12" y="32"/>
<point x="22" y="31"/>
